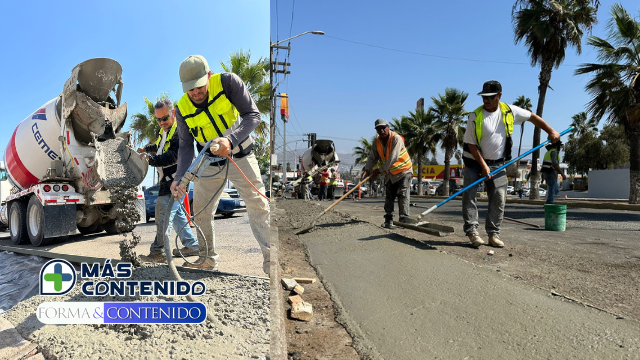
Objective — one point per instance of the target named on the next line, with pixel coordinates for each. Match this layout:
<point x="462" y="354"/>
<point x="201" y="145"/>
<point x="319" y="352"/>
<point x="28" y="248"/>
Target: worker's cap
<point x="381" y="123"/>
<point x="490" y="88"/>
<point x="193" y="72"/>
<point x="556" y="144"/>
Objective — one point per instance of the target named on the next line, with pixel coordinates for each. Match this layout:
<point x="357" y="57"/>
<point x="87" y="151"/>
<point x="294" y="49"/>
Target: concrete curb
<point x="278" y="334"/>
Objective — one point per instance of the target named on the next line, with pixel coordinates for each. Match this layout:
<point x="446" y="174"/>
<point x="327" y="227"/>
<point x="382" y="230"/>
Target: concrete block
<point x="289" y="284"/>
<point x="302" y="311"/>
<point x="295" y="299"/>
<point x="298" y="289"/>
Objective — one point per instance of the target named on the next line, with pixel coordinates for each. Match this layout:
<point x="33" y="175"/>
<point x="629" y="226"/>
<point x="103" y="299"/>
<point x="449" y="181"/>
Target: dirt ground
<point x="322" y="337"/>
<point x="596" y="262"/>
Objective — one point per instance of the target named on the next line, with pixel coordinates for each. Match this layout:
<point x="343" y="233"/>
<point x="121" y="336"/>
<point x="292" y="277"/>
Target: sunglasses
<point x="380" y="128"/>
<point x="164" y="118"/>
<point x="489" y="97"/>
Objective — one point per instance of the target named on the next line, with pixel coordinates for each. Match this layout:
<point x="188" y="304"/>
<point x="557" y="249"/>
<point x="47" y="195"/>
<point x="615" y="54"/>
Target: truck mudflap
<point x="59" y="220"/>
<point x="142" y="210"/>
<point x="4" y="221"/>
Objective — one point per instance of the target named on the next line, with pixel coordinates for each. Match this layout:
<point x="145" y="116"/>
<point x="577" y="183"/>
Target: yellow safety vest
<point x="212" y="122"/>
<point x="404" y="161"/>
<point x="169" y="136"/>
<point x="507" y="119"/>
<point x="547" y="164"/>
<point x="333" y="180"/>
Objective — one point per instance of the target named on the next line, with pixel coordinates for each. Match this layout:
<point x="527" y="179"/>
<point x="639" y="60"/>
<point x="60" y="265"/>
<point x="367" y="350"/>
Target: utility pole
<point x="274" y="69"/>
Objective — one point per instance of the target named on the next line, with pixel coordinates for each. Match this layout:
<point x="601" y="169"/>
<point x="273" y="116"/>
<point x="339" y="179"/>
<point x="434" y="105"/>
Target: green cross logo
<point x="57" y="278"/>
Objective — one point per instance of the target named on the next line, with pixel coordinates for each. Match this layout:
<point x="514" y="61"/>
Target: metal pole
<point x="284" y="148"/>
<point x="272" y="124"/>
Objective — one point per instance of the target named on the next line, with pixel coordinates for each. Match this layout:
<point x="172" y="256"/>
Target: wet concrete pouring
<point x="406" y="295"/>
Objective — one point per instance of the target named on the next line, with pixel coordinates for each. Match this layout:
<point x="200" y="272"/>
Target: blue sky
<point x="337" y="87"/>
<point x="44" y="40"/>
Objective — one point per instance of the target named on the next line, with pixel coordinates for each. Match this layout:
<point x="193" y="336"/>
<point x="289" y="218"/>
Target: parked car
<point x="229" y="204"/>
<point x="542" y="192"/>
<point x="511" y="190"/>
<point x="363" y="190"/>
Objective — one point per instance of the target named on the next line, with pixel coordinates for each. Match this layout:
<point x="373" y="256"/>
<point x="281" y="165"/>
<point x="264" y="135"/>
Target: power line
<point x="292" y="8"/>
<point x="436" y="56"/>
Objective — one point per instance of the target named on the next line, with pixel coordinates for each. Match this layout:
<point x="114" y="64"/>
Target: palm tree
<point x="581" y="125"/>
<point x="615" y="88"/>
<point x="525" y="103"/>
<point x="145" y="127"/>
<point x="450" y="114"/>
<point x="362" y="155"/>
<point x="547" y="27"/>
<point x="420" y="133"/>
<point x="255" y="75"/>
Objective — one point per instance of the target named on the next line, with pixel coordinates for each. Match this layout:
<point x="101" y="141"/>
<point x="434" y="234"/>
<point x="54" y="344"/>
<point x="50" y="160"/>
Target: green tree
<point x="615" y="151"/>
<point x="261" y="149"/>
<point x="614" y="89"/>
<point x="420" y="133"/>
<point x="450" y="114"/>
<point x="524" y="103"/>
<point x="145" y="127"/>
<point x="547" y="28"/>
<point x="362" y="152"/>
<point x="581" y="125"/>
<point x="583" y="153"/>
<point x="256" y="76"/>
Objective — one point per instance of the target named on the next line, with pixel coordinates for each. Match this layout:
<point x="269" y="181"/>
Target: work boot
<point x="154" y="258"/>
<point x="186" y="252"/>
<point x="476" y="240"/>
<point x="203" y="264"/>
<point x="494" y="240"/>
<point x="388" y="225"/>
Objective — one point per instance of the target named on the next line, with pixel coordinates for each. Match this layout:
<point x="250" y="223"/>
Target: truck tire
<point x="35" y="223"/>
<point x="110" y="227"/>
<point x="18" y="222"/>
<point x="86" y="230"/>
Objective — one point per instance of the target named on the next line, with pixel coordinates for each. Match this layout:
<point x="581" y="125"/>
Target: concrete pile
<point x="240" y="306"/>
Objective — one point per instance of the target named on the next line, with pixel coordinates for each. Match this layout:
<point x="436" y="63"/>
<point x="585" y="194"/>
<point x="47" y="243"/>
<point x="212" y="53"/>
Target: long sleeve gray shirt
<point x="238" y="94"/>
<point x="396" y="146"/>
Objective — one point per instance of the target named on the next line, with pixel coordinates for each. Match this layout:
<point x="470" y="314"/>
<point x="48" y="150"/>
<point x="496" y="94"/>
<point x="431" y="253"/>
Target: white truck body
<point x="55" y="165"/>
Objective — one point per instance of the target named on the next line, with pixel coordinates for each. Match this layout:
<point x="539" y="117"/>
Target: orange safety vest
<point x="324" y="180"/>
<point x="404" y="161"/>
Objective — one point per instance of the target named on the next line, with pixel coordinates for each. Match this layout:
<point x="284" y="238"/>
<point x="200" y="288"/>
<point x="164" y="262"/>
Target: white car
<point x="511" y="190"/>
<point x="542" y="192"/>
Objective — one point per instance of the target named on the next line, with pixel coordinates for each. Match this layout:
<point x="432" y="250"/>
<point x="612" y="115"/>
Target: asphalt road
<point x="407" y="295"/>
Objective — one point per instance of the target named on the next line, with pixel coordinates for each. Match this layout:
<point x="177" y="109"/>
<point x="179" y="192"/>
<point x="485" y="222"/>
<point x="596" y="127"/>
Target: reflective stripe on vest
<point x="404" y="161"/>
<point x="324" y="180"/>
<point x="213" y="121"/>
<point x="507" y="119"/>
<point x="546" y="162"/>
<point x="169" y="136"/>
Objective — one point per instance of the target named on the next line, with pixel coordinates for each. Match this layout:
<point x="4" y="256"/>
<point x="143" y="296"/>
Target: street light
<point x="274" y="70"/>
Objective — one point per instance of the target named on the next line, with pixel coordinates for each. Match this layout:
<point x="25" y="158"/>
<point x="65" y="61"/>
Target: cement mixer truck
<point x="69" y="165"/>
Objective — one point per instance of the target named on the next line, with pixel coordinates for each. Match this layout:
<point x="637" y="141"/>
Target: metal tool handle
<point x="491" y="173"/>
<point x="347" y="194"/>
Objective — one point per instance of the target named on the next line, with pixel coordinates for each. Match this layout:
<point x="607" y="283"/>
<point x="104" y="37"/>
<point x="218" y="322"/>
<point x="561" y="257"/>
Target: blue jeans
<point x="177" y="219"/>
<point x="551" y="178"/>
